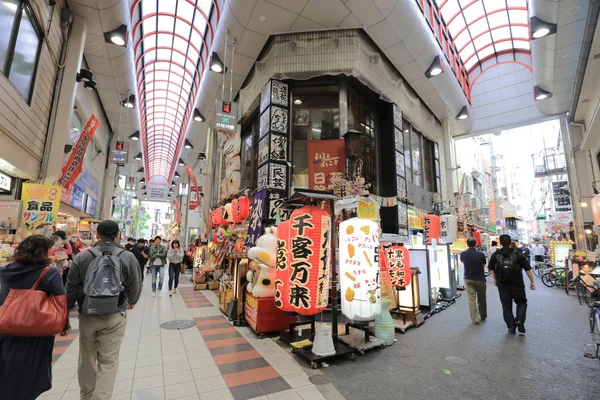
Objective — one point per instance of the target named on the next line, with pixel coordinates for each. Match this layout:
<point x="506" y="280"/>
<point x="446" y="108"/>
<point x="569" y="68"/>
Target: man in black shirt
<point x="507" y="265"/>
<point x="474" y="262"/>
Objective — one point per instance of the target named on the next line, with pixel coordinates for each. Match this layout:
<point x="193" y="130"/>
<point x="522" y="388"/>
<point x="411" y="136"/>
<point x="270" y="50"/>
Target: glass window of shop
<point x="362" y="116"/>
<point x="248" y="157"/>
<point x="422" y="160"/>
<point x="316" y="116"/>
<point x="20" y="44"/>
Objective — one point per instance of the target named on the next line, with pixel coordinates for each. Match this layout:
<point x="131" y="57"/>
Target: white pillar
<point x="59" y="134"/>
<point x="208" y="179"/>
<point x="448" y="168"/>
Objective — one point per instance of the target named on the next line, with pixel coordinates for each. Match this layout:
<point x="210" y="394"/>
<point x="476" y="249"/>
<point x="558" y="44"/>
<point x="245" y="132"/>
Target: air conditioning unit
<point x="468" y="184"/>
<point x="476" y="203"/>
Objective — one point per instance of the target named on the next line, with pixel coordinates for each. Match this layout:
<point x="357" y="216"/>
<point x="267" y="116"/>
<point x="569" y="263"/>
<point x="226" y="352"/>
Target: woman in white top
<point x="174" y="258"/>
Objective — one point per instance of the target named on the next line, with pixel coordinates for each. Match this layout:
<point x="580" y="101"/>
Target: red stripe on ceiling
<point x="485" y="15"/>
<point x="510" y="39"/>
<point x="489" y="31"/>
<point x="460" y="11"/>
<point x="500" y="63"/>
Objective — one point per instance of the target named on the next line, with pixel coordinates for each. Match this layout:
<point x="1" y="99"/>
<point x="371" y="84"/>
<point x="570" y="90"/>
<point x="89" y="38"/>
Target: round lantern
<point x="241" y="209"/>
<point x="359" y="268"/>
<point x="282" y="265"/>
<point x="477" y="237"/>
<point x="431" y="229"/>
<point x="398" y="259"/>
<point x="219" y="216"/>
<point x="213" y="219"/>
<point x="304" y="287"/>
<point x="228" y="213"/>
<point x="448" y="228"/>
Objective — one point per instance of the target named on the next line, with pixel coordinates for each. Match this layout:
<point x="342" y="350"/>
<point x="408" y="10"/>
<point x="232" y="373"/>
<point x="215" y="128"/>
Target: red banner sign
<point x="195" y="198"/>
<point x="72" y="168"/>
<point x="177" y="212"/>
<point x="431" y="229"/>
<point x="325" y="159"/>
<point x="398" y="259"/>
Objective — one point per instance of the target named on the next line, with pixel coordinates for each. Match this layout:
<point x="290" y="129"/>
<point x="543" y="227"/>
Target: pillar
<point x="565" y="130"/>
<point x="208" y="180"/>
<point x="450" y="163"/>
<point x="61" y="128"/>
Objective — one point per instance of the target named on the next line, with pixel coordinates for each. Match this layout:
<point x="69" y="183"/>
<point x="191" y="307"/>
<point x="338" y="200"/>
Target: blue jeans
<point x="160" y="270"/>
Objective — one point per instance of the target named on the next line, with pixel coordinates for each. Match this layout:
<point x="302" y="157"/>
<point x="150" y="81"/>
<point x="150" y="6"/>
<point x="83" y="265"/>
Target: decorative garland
<point x="390" y="201"/>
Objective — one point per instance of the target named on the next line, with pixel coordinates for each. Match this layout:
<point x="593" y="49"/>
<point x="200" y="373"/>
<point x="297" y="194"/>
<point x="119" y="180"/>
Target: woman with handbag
<point x="25" y="359"/>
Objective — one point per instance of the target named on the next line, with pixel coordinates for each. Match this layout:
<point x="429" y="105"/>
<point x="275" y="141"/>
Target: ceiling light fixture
<point x="187" y="144"/>
<point x="297" y="102"/>
<point x="176" y="175"/>
<point x="198" y="116"/>
<point x="540" y="94"/>
<point x="129" y="102"/>
<point x="142" y="180"/>
<point x="463" y="114"/>
<point x="135" y="135"/>
<point x="141" y="170"/>
<point x="540" y="29"/>
<point x="91" y="85"/>
<point x="138" y="156"/>
<point x="216" y="65"/>
<point x="181" y="161"/>
<point x="118" y="36"/>
<point x="584" y="204"/>
<point x="435" y="68"/>
<point x="172" y="183"/>
<point x="85" y="75"/>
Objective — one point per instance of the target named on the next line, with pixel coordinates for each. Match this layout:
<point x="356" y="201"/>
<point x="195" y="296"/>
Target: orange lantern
<point x="304" y="278"/>
<point x="228" y="213"/>
<point x="431" y="229"/>
<point x="219" y="216"/>
<point x="212" y="219"/>
<point x="282" y="265"/>
<point x="398" y="259"/>
<point x="241" y="209"/>
<point x="477" y="237"/>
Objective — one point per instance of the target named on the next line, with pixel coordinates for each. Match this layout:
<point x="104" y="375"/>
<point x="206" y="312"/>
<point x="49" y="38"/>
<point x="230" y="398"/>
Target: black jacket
<point x="513" y="280"/>
<point x="137" y="252"/>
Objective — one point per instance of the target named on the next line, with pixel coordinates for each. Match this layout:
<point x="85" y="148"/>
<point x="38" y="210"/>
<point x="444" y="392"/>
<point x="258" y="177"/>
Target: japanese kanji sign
<point x="255" y="226"/>
<point x="194" y="200"/>
<point x="72" y="168"/>
<point x="325" y="159"/>
<point x="398" y="260"/>
<point x="39" y="205"/>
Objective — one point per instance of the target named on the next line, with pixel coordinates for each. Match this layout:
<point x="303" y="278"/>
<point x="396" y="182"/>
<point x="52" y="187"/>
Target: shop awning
<point x="512" y="217"/>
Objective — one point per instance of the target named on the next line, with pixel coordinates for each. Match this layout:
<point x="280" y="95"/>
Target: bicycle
<point x="555" y="277"/>
<point x="541" y="267"/>
<point x="590" y="296"/>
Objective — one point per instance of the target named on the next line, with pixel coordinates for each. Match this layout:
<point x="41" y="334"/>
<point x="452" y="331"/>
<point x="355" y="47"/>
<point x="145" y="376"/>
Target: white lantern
<point x="449" y="228"/>
<point x="359" y="269"/>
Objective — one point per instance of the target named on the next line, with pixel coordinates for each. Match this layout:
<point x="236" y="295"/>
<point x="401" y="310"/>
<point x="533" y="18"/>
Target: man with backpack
<point x="507" y="267"/>
<point x="105" y="282"/>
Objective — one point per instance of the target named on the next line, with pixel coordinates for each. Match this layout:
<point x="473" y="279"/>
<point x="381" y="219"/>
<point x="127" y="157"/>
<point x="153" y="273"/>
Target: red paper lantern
<point x="431" y="229"/>
<point x="282" y="264"/>
<point x="398" y="259"/>
<point x="304" y="277"/>
<point x="241" y="209"/>
<point x="219" y="216"/>
<point x="212" y="218"/>
<point x="477" y="237"/>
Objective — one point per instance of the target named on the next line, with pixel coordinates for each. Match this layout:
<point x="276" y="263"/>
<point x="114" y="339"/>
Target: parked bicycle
<point x="590" y="296"/>
<point x="541" y="267"/>
<point x="554" y="277"/>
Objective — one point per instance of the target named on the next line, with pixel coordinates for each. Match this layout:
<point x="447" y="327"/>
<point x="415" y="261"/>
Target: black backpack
<point x="103" y="283"/>
<point x="507" y="266"/>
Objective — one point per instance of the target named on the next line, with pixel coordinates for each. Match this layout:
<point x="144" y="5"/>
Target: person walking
<point x="175" y="258"/>
<point x="26" y="362"/>
<point x="140" y="251"/>
<point x="158" y="259"/>
<point x="538" y="251"/>
<point x="62" y="245"/>
<point x="109" y="269"/>
<point x="507" y="267"/>
<point x="130" y="244"/>
<point x="474" y="262"/>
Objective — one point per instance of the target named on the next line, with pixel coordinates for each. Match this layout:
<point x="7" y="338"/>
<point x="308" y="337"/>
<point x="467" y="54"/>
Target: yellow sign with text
<point x="40" y="205"/>
<point x="367" y="210"/>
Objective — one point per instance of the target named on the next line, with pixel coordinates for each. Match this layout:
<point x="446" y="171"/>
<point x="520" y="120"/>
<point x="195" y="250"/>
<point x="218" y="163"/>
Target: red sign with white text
<point x="194" y="200"/>
<point x="398" y="259"/>
<point x="325" y="159"/>
<point x="72" y="168"/>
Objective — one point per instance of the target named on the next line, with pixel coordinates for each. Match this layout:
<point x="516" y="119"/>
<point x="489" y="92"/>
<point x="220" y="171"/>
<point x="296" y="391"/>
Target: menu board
<point x="9" y="214"/>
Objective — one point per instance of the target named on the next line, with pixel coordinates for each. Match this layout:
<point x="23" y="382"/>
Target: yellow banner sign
<point x="40" y="205"/>
<point x="367" y="210"/>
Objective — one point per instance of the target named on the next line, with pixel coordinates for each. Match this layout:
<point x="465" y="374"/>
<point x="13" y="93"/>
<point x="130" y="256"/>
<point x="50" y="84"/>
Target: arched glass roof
<point x="170" y="52"/>
<point x="483" y="28"/>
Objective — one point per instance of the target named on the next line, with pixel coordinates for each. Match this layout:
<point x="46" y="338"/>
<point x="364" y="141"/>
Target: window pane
<point x="415" y="145"/>
<point x="361" y="117"/>
<point x="26" y="51"/>
<point x="407" y="152"/>
<point x="428" y="164"/>
<point x="246" y="159"/>
<point x="7" y="19"/>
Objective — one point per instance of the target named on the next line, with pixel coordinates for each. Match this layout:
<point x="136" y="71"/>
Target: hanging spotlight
<point x="540" y="28"/>
<point x="463" y="114"/>
<point x="135" y="135"/>
<point x="187" y="144"/>
<point x="216" y="65"/>
<point x="177" y="175"/>
<point x="583" y="204"/>
<point x="181" y="162"/>
<point x="198" y="116"/>
<point x="297" y="102"/>
<point x="85" y="75"/>
<point x="142" y="180"/>
<point x="540" y="94"/>
<point x="117" y="36"/>
<point x="129" y="102"/>
<point x="141" y="170"/>
<point x="138" y="156"/>
<point x="172" y="183"/>
<point x="435" y="68"/>
<point x="145" y="193"/>
<point x="91" y="85"/>
<point x="169" y="196"/>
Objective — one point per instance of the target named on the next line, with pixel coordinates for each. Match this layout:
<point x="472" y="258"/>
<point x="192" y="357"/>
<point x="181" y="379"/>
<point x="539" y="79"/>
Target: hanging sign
<point x="225" y="117"/>
<point x="326" y="158"/>
<point x="72" y="168"/>
<point x="367" y="210"/>
<point x="177" y="212"/>
<point x="477" y="237"/>
<point x="398" y="259"/>
<point x="183" y="189"/>
<point x="39" y="205"/>
<point x="303" y="263"/>
<point x="256" y="218"/>
<point x="448" y="228"/>
<point x="431" y="229"/>
<point x="194" y="200"/>
<point x="130" y="183"/>
<point x="562" y="196"/>
<point x="387" y="289"/>
<point x="359" y="269"/>
<point x="157" y="188"/>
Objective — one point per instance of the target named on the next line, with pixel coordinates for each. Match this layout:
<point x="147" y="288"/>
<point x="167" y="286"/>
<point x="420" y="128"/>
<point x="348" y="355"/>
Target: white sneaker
<point x="153" y="294"/>
<point x="160" y="294"/>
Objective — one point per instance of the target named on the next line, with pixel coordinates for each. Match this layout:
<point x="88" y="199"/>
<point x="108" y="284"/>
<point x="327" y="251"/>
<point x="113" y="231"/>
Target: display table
<point x="263" y="316"/>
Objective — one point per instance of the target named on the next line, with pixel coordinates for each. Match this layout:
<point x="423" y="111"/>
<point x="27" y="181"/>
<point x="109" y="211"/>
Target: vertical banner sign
<point x="40" y="205"/>
<point x="387" y="290"/>
<point x="326" y="158"/>
<point x="72" y="168"/>
<point x="194" y="200"/>
<point x="256" y="218"/>
<point x="177" y="212"/>
<point x="398" y="259"/>
<point x="431" y="229"/>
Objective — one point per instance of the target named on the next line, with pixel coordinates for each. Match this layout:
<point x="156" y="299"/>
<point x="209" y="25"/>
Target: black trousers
<point x="174" y="270"/>
<point x="508" y="294"/>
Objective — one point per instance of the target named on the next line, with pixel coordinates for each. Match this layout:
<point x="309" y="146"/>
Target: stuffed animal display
<point x="261" y="278"/>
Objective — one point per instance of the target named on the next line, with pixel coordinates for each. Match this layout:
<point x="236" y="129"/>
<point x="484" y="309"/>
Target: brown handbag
<point x="33" y="313"/>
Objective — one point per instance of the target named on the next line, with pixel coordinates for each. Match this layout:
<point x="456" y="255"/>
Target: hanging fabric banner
<point x="325" y="159"/>
<point x="72" y="168"/>
<point x="256" y="218"/>
<point x="177" y="212"/>
<point x="194" y="200"/>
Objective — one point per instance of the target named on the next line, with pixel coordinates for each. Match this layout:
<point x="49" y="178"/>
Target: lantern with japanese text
<point x="431" y="229"/>
<point x="477" y="237"/>
<point x="219" y="216"/>
<point x="448" y="228"/>
<point x="240" y="209"/>
<point x="213" y="219"/>
<point x="228" y="213"/>
<point x="398" y="259"/>
<point x="359" y="269"/>
<point x="304" y="287"/>
<point x="282" y="264"/>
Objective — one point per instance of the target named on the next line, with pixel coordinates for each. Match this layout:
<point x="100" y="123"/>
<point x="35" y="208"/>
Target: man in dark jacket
<point x="100" y="337"/>
<point x="507" y="267"/>
<point x="141" y="254"/>
<point x="474" y="262"/>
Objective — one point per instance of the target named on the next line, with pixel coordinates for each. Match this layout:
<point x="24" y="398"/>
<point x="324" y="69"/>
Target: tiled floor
<point x="213" y="360"/>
